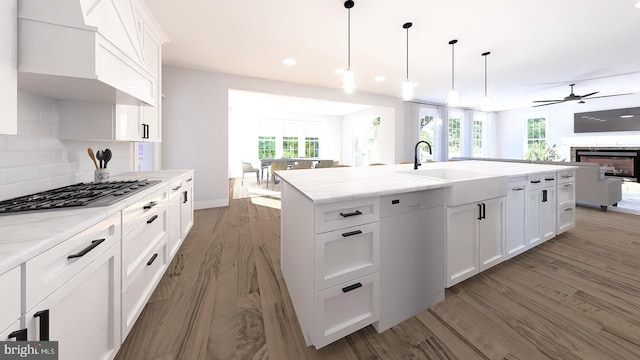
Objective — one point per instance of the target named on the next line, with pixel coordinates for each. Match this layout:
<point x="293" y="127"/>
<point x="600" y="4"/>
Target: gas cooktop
<point x="76" y="196"/>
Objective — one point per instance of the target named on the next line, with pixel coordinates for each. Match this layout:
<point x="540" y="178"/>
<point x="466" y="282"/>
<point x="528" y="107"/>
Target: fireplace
<point x="615" y="162"/>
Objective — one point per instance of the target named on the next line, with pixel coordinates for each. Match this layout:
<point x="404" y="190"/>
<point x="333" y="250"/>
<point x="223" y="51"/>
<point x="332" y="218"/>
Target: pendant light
<point x="485" y="101"/>
<point x="407" y="86"/>
<point x="348" y="79"/>
<point x="453" y="99"/>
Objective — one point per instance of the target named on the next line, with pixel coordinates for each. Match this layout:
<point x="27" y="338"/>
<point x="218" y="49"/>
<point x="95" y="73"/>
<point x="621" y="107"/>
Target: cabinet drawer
<point x="346" y="254"/>
<point x="175" y="188"/>
<point x="138" y="242"/>
<point x="537" y="181"/>
<point x="566" y="193"/>
<point x="12" y="294"/>
<point x="566" y="218"/>
<point x="346" y="308"/>
<point x="408" y="202"/>
<point x="566" y="176"/>
<point x="49" y="270"/>
<point x="344" y="214"/>
<point x="144" y="279"/>
<point x="137" y="213"/>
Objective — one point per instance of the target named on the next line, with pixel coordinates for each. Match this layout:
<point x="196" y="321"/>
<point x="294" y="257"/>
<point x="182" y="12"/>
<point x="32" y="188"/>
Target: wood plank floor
<point x="576" y="296"/>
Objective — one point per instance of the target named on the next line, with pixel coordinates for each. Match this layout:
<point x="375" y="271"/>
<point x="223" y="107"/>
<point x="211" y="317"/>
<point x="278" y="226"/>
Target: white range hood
<point x="87" y="50"/>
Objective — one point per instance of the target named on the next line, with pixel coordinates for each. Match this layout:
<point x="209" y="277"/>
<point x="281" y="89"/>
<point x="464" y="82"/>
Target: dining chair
<point x="324" y="164"/>
<point x="277" y="166"/>
<point x="303" y="164"/>
<point x="248" y="168"/>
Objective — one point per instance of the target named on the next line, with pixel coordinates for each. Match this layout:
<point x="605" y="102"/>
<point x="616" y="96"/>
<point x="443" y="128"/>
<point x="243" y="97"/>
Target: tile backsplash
<point x="36" y="160"/>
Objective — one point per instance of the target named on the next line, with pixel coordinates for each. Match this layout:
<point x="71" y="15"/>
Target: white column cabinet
<point x="475" y="238"/>
<point x="8" y="67"/>
<point x="187" y="204"/>
<point x="10" y="310"/>
<point x="566" y="199"/>
<point x="515" y="218"/>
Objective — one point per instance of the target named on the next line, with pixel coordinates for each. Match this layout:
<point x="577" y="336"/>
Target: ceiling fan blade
<point x="593" y="93"/>
<point x="547" y="100"/>
<point x="604" y="96"/>
<point x="553" y="103"/>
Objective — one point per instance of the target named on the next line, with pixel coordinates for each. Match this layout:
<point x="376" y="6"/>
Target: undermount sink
<point x="466" y="186"/>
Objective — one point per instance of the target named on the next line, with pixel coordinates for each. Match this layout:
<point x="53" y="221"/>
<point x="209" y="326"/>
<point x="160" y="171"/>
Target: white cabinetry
<point x="339" y="293"/>
<point x="72" y="293"/>
<point x="475" y="238"/>
<point x="10" y="309"/>
<point x="8" y="67"/>
<point x="145" y="254"/>
<point x="566" y="199"/>
<point x="515" y="218"/>
<point x="81" y="120"/>
<point x="412" y="242"/>
<point x="187" y="204"/>
<point x="541" y="208"/>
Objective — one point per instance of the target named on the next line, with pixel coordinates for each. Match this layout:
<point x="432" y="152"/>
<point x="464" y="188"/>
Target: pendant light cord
<point x="453" y="63"/>
<point x="407" y="53"/>
<point x="349" y="39"/>
<point x="485" y="71"/>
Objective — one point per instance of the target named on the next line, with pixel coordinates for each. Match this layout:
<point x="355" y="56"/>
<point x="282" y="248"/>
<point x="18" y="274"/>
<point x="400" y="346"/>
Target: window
<point x="311" y="147"/>
<point x="289" y="146"/>
<point x="427" y="133"/>
<point x="477" y="138"/>
<point x="266" y="147"/>
<point x="536" y="138"/>
<point x="454" y="136"/>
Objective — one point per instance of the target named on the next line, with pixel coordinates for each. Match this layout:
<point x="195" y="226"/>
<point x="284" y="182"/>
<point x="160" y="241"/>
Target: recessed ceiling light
<point x="339" y="71"/>
<point x="289" y="61"/>
<point x="626" y="116"/>
<point x="638" y="5"/>
<point x="379" y="78"/>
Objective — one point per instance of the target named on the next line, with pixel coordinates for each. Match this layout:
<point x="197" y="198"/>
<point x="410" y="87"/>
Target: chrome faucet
<point x="415" y="153"/>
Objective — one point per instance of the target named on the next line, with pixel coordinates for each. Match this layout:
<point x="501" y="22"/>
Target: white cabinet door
<point x="462" y="242"/>
<point x="534" y="219"/>
<point x="11" y="299"/>
<point x="515" y="220"/>
<point x="187" y="206"/>
<point x="174" y="224"/>
<point x="548" y="215"/>
<point x="82" y="315"/>
<point x="491" y="248"/>
<point x="127" y="122"/>
<point x="14" y="332"/>
<point x="8" y="67"/>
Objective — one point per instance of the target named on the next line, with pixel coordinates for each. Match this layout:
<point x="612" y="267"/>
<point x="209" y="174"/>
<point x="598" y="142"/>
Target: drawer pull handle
<point x="568" y="185"/>
<point x="84" y="252"/>
<point x="351" y="287"/>
<point x="518" y="189"/>
<point x="535" y="181"/>
<point x="185" y="197"/>
<point x="351" y="233"/>
<point x="20" y="335"/>
<point x="549" y="179"/>
<point x="189" y="179"/>
<point x="567" y="176"/>
<point x="544" y="195"/>
<point x="44" y="324"/>
<point x="150" y="205"/>
<point x="152" y="219"/>
<point x="357" y="212"/>
<point x="153" y="258"/>
<point x="568" y="209"/>
<point x="177" y="188"/>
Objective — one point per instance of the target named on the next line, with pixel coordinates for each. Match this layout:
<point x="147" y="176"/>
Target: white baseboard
<point x="211" y="203"/>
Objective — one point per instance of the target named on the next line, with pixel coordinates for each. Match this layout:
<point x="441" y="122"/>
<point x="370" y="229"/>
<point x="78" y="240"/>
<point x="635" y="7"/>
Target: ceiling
<point x="538" y="47"/>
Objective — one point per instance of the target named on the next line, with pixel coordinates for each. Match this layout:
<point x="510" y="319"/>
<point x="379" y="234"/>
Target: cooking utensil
<point x="100" y="157"/>
<point x="93" y="157"/>
<point x="107" y="157"/>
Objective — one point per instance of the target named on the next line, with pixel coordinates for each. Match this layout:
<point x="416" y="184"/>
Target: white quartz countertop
<point x="346" y="183"/>
<point x="26" y="235"/>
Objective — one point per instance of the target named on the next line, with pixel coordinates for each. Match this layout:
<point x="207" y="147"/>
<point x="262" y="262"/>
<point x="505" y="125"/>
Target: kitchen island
<point x="377" y="245"/>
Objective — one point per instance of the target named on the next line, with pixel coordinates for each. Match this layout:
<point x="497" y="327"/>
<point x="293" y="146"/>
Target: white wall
<point x="511" y="127"/>
<point x="195" y="123"/>
<point x="36" y="160"/>
<point x="245" y="125"/>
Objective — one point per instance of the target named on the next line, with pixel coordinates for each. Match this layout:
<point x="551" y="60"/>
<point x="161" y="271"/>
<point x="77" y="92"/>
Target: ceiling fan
<point x="574" y="97"/>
